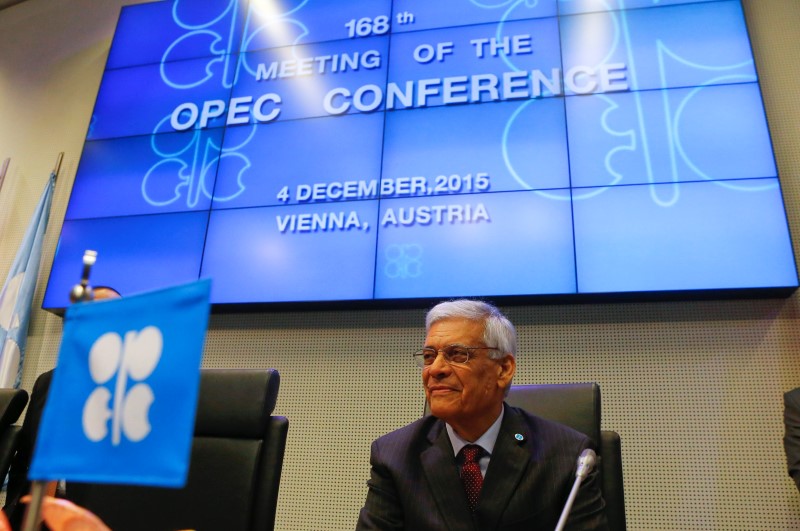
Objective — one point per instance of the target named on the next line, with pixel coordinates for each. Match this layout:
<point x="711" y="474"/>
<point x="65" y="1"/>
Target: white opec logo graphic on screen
<point x="135" y="357"/>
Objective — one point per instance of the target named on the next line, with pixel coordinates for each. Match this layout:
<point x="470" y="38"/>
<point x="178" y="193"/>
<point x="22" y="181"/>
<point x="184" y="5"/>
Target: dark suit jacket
<point x="791" y="438"/>
<point x="415" y="485"/>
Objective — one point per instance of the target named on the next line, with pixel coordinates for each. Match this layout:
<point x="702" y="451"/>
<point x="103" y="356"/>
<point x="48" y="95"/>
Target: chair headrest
<point x="236" y="403"/>
<point x="12" y="402"/>
<point x="575" y="404"/>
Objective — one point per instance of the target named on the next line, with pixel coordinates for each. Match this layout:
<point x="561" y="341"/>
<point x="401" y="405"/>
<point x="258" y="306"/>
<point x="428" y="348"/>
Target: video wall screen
<point x="364" y="150"/>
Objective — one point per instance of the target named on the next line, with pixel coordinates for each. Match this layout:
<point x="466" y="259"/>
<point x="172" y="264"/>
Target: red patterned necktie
<point x="471" y="473"/>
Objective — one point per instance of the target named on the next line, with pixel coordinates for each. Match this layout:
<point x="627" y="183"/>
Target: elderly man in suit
<point x="476" y="463"/>
<point x="791" y="438"/>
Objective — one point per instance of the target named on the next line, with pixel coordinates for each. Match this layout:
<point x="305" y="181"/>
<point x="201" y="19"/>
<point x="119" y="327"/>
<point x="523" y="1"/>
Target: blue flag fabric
<point x="122" y="403"/>
<point x="18" y="290"/>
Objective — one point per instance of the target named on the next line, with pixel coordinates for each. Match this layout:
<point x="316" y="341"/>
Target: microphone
<point x="83" y="291"/>
<point x="586" y="462"/>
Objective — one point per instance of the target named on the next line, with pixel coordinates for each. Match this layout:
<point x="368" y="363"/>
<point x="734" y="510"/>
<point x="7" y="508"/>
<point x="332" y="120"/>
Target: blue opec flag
<point x="122" y="404"/>
<point x="17" y="293"/>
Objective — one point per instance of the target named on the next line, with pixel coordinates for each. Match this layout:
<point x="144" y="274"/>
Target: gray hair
<point x="498" y="331"/>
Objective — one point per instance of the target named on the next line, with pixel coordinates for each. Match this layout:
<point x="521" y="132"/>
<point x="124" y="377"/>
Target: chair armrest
<point x="613" y="489"/>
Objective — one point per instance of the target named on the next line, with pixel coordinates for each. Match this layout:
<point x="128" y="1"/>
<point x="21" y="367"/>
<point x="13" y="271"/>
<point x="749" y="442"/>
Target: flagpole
<point x="57" y="168"/>
<point x="33" y="512"/>
<point x="82" y="292"/>
<point x="3" y="171"/>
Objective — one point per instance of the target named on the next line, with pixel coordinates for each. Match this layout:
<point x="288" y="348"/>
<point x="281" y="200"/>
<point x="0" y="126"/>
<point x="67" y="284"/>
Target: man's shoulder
<point x="793" y="395"/>
<point x="409" y="434"/>
<point x="409" y="441"/>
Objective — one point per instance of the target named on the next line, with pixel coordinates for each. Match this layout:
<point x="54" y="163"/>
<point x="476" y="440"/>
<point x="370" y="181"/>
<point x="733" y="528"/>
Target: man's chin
<point x="441" y="408"/>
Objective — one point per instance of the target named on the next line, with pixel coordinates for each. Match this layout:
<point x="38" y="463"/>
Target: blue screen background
<point x="139" y="253"/>
<point x="306" y="150"/>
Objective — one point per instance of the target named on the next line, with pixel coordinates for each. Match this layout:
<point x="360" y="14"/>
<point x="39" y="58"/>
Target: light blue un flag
<point x="122" y="404"/>
<point x="18" y="290"/>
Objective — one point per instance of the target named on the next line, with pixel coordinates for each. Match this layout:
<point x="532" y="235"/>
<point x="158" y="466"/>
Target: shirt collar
<point x="485" y="441"/>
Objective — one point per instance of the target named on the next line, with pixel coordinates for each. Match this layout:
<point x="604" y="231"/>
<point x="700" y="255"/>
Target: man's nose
<point x="439" y="368"/>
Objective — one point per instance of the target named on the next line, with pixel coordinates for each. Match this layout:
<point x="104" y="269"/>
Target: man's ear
<point x="506" y="368"/>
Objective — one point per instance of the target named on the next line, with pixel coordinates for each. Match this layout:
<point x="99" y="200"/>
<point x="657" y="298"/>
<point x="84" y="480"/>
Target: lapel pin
<point x="519" y="437"/>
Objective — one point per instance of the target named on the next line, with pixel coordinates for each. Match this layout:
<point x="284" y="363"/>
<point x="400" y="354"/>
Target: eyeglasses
<point x="453" y="354"/>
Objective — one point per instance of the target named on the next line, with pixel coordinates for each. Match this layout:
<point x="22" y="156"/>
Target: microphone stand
<point x="81" y="292"/>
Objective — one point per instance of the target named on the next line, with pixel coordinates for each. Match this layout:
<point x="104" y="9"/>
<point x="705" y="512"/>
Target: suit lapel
<point x="510" y="460"/>
<point x="439" y="467"/>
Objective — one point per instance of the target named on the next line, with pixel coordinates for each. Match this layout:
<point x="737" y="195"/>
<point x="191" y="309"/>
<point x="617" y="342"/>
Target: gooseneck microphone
<point x="586" y="462"/>
<point x="82" y="291"/>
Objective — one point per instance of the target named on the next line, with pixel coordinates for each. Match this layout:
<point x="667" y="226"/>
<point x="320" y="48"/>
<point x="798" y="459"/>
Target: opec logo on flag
<point x="122" y="404"/>
<point x="133" y="358"/>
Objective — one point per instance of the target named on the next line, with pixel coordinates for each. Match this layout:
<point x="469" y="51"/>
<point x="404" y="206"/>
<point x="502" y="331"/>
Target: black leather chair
<point x="578" y="406"/>
<point x="12" y="402"/>
<point x="235" y="470"/>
